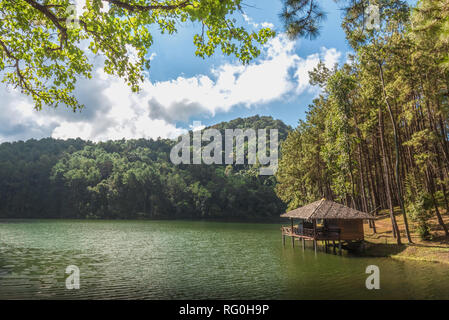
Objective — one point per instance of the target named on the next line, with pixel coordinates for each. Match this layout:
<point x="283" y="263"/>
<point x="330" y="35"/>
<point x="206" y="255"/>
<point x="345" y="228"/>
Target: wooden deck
<point x="325" y="235"/>
<point x="320" y="234"/>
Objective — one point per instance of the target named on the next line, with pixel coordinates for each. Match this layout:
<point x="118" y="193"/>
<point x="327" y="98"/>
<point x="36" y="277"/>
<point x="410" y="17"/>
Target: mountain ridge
<point x="118" y="179"/>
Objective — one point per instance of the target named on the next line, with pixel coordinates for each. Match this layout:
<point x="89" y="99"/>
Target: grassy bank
<point x="382" y="243"/>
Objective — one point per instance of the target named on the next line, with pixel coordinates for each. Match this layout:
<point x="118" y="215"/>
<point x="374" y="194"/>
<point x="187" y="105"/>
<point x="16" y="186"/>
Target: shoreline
<point x="382" y="243"/>
<point x="408" y="252"/>
<point x="230" y="219"/>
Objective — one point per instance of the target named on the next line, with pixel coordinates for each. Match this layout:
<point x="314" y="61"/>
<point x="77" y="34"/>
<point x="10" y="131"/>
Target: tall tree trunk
<point x="435" y="204"/>
<point x="387" y="179"/>
<point x="396" y="143"/>
<point x="362" y="175"/>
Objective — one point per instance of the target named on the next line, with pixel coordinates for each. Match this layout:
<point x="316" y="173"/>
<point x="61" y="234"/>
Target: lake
<point x="192" y="260"/>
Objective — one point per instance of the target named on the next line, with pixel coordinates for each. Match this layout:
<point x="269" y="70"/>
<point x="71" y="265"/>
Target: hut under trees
<point x="325" y="221"/>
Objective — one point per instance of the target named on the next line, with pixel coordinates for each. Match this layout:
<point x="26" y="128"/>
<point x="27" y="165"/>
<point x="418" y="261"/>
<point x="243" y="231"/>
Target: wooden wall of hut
<point x="351" y="229"/>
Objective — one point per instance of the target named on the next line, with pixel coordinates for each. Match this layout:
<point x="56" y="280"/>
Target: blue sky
<point x="175" y="57"/>
<point x="183" y="88"/>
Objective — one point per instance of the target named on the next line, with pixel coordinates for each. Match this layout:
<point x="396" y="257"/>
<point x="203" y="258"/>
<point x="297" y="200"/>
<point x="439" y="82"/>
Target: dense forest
<point x="377" y="136"/>
<point x="51" y="178"/>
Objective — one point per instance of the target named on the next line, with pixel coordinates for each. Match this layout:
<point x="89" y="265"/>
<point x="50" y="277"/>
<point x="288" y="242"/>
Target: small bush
<point x="418" y="205"/>
<point x="423" y="230"/>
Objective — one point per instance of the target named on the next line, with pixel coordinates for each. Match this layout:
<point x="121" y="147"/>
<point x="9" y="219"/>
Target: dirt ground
<point x="383" y="244"/>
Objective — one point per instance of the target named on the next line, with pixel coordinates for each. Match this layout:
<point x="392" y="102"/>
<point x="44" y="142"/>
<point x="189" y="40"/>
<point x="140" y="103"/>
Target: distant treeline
<point x="377" y="136"/>
<point x="130" y="179"/>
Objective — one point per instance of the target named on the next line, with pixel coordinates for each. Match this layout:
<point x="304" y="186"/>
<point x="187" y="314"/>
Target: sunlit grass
<point x="382" y="243"/>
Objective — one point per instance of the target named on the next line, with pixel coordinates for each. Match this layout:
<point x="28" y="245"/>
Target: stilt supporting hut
<point x="326" y="221"/>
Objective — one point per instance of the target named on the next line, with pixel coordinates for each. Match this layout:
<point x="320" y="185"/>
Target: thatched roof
<point x="326" y="209"/>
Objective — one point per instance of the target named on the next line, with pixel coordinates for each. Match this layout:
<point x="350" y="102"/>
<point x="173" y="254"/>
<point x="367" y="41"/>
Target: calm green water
<point x="180" y="259"/>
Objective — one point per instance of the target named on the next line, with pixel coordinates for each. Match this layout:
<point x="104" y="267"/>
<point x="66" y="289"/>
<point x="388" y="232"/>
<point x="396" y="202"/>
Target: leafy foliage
<point x="431" y="22"/>
<point x="418" y="205"/>
<point x="45" y="47"/>
<point x="380" y="124"/>
<point x="129" y="179"/>
<point x="302" y="18"/>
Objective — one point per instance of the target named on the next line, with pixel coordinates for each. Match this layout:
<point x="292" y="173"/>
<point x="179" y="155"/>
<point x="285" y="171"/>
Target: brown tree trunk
<point x="396" y="143"/>
<point x="387" y="179"/>
<point x="435" y="204"/>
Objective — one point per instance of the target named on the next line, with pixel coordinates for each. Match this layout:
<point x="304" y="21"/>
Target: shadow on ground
<point x="382" y="250"/>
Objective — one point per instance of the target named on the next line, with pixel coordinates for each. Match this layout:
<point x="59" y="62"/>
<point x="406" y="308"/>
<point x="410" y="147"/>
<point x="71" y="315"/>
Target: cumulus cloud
<point x="329" y="56"/>
<point x="119" y="114"/>
<point x="114" y="112"/>
<point x="17" y="118"/>
<point x="281" y="72"/>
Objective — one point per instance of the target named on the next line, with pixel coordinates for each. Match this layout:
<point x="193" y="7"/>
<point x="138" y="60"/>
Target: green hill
<point x="121" y="179"/>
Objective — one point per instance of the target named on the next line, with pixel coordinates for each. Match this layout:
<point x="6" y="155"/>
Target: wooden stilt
<point x="303" y="244"/>
<point x="315" y="245"/>
<point x="283" y="240"/>
<point x="293" y="238"/>
<point x="333" y="247"/>
<point x="339" y="247"/>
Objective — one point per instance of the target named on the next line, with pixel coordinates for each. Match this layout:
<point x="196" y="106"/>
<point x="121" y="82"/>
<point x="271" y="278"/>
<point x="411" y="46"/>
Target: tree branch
<point x="137" y="7"/>
<point x="50" y="15"/>
<point x="22" y="82"/>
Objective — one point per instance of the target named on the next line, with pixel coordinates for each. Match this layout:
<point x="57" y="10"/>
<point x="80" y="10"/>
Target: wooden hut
<point x="326" y="221"/>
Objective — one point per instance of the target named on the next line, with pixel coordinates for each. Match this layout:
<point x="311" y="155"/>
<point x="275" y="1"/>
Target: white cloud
<point x="329" y="56"/>
<point x="17" y="118"/>
<point x="251" y="22"/>
<point x="126" y="115"/>
<point x="114" y="112"/>
<point x="281" y="72"/>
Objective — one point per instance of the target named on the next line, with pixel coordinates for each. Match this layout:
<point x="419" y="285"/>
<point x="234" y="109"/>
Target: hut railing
<point x="321" y="233"/>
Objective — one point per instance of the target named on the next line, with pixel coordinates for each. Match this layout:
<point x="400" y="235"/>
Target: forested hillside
<point x="130" y="179"/>
<point x="377" y="137"/>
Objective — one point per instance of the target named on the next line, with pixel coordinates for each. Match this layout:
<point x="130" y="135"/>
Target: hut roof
<point x="326" y="209"/>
